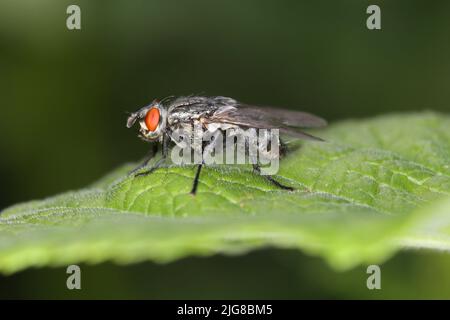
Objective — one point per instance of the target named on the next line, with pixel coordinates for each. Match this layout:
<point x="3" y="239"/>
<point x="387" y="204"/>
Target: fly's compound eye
<point x="152" y="119"/>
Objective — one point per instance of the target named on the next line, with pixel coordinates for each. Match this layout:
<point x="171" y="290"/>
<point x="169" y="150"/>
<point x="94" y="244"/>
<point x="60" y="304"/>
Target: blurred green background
<point x="64" y="97"/>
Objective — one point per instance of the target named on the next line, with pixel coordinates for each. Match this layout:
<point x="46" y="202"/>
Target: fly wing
<point x="287" y="121"/>
<point x="284" y="117"/>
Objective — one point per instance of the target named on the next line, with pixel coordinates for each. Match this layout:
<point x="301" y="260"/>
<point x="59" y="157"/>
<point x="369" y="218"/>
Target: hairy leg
<point x="148" y="157"/>
<point x="283" y="148"/>
<point x="165" y="152"/>
<point x="197" y="176"/>
<point x="257" y="169"/>
<point x="206" y="148"/>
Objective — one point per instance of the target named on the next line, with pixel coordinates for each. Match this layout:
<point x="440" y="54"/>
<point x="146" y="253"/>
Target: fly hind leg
<point x="257" y="169"/>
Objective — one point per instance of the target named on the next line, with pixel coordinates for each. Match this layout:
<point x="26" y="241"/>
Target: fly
<point x="160" y="119"/>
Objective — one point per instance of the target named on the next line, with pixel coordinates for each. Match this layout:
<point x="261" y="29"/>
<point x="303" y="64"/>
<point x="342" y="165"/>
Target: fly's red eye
<point x="152" y="119"/>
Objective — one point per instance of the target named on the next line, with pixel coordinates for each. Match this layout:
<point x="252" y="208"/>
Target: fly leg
<point x="283" y="148"/>
<point x="257" y="169"/>
<point x="197" y="176"/>
<point x="148" y="157"/>
<point x="164" y="151"/>
<point x="205" y="150"/>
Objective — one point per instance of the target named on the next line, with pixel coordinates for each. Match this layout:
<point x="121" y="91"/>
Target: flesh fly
<point x="160" y="119"/>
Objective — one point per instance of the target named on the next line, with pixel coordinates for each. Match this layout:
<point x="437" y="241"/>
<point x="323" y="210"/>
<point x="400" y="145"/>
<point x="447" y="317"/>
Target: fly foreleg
<point x="147" y="159"/>
<point x="164" y="154"/>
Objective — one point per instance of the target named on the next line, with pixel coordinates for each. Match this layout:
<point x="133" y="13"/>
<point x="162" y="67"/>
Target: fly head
<point x="152" y="120"/>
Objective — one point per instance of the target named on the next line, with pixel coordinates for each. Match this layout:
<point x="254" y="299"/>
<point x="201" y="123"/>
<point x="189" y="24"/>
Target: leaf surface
<point x="374" y="187"/>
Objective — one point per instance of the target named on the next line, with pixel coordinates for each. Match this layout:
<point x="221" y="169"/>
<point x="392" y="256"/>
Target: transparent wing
<point x="287" y="121"/>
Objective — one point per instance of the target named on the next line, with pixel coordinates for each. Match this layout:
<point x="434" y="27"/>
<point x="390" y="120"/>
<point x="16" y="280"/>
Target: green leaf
<point x="374" y="187"/>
